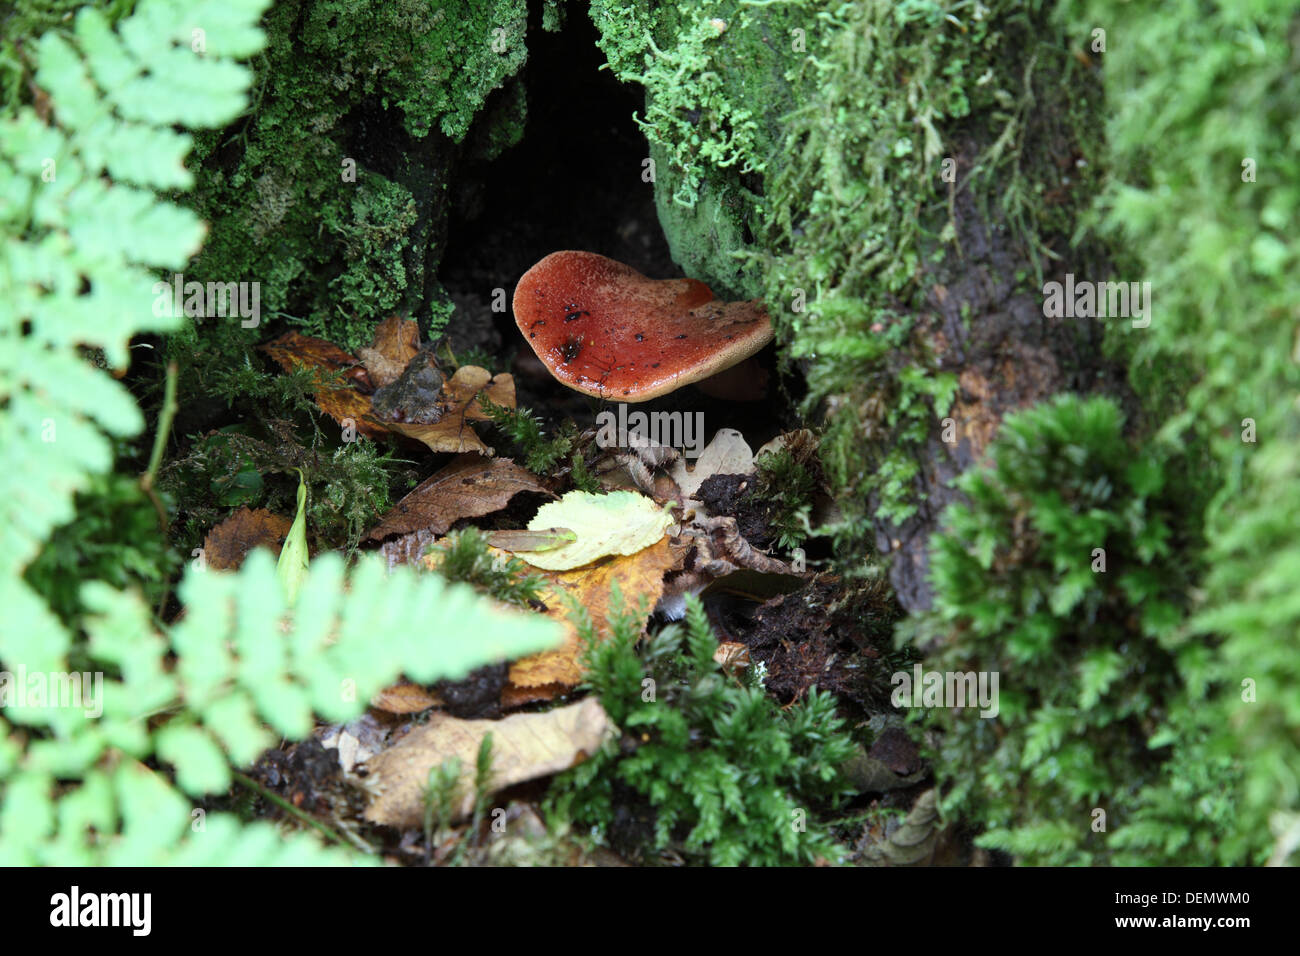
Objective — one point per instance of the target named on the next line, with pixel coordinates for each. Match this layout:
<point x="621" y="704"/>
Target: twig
<point x="165" y="417"/>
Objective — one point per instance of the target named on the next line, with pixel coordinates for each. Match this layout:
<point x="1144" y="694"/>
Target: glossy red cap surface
<point x="604" y="329"/>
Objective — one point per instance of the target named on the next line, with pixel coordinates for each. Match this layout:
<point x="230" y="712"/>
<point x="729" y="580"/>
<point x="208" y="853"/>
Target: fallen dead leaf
<point x="620" y="522"/>
<point x="347" y="404"/>
<point x="228" y="542"/>
<point x="341" y="402"/>
<point x="452" y="432"/>
<point x="395" y="344"/>
<point x="732" y="656"/>
<point x="513" y="697"/>
<point x="404" y="698"/>
<point x="524" y="747"/>
<point x="470" y="487"/>
<point x="464" y="388"/>
<point x="639" y="575"/>
<point x="727" y="454"/>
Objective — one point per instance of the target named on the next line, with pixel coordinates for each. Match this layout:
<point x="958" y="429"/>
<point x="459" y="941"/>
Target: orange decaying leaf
<point x="393" y="340"/>
<point x="342" y="403"/>
<point x="639" y="575"/>
<point x="395" y="344"/>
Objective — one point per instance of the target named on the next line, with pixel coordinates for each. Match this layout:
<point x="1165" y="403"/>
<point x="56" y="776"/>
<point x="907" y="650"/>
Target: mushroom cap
<point x="604" y="329"/>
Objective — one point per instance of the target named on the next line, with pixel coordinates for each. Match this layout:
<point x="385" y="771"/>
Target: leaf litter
<point x="651" y="540"/>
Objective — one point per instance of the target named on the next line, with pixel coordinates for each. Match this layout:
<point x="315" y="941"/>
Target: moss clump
<point x="544" y="455"/>
<point x="255" y="462"/>
<point x="714" y="93"/>
<point x="1202" y="144"/>
<point x="332" y="193"/>
<point x="788" y="478"/>
<point x="861" y="221"/>
<point x="723" y="773"/>
<point x="1068" y="575"/>
<point x="115" y="539"/>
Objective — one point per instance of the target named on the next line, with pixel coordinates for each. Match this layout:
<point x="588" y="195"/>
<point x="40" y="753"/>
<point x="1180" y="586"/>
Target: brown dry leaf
<point x="524" y="747"/>
<point x="453" y="433"/>
<point x="404" y="698"/>
<point x="464" y="387"/>
<point x="732" y="656"/>
<point x="226" y="544"/>
<point x="395" y="344"/>
<point x="293" y="350"/>
<point x="470" y="487"/>
<point x="638" y="575"/>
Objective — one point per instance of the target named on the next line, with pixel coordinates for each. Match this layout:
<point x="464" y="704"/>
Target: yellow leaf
<point x="622" y="522"/>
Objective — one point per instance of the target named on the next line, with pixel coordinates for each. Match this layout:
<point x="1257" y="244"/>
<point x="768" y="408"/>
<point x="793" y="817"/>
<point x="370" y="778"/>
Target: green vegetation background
<point x="800" y="160"/>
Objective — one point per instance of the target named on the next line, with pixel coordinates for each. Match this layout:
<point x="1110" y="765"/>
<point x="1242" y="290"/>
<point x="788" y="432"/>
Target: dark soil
<point x="734" y="495"/>
<point x="816" y="636"/>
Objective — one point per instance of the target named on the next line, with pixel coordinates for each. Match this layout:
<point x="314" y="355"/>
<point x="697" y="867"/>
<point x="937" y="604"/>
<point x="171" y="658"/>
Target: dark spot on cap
<point x="655" y="365"/>
<point x="640" y="337"/>
<point x="682" y="336"/>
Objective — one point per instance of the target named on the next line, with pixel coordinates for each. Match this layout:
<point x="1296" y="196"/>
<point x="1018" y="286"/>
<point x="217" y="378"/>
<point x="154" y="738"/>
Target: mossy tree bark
<point x="898" y="184"/>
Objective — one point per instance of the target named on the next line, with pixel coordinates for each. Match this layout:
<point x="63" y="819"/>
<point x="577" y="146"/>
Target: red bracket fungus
<point x="606" y="330"/>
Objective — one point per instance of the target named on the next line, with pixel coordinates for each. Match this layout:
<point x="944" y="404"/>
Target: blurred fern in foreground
<point x="82" y="232"/>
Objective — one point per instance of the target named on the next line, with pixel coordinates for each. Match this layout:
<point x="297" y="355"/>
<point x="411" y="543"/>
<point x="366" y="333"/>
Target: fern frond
<point x="82" y="229"/>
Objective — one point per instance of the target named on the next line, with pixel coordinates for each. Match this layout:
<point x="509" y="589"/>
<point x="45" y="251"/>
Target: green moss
<point x="464" y="556"/>
<point x="787" y="481"/>
<point x="1203" y="95"/>
<point x="542" y="455"/>
<point x="703" y="236"/>
<point x="858" y="221"/>
<point x="333" y="192"/>
<point x="115" y="538"/>
<point x="799" y="153"/>
<point x="714" y="96"/>
<point x="279" y="430"/>
<point x="1068" y="574"/>
<point x="723" y="773"/>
